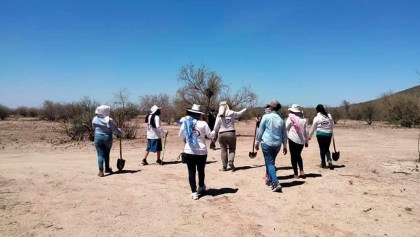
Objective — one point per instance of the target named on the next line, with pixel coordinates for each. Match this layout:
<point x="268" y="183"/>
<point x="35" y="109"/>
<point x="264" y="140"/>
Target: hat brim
<point x="294" y="110"/>
<point x="194" y="111"/>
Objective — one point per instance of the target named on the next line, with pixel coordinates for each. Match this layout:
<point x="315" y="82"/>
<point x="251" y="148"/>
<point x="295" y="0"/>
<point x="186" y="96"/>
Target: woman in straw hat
<point x="154" y="134"/>
<point x="225" y="128"/>
<point x="104" y="127"/>
<point x="298" y="138"/>
<point x="195" y="130"/>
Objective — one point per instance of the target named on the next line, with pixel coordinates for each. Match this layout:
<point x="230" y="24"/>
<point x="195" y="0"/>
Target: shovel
<point x="163" y="153"/>
<point x="120" y="161"/>
<point x="254" y="154"/>
<point x="335" y="154"/>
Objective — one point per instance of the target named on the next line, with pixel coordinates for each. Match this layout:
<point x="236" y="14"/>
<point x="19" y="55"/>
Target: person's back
<point x="272" y="129"/>
<point x="201" y="129"/>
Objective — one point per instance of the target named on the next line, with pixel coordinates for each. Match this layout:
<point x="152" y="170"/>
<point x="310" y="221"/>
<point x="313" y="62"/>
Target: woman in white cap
<point x="154" y="134"/>
<point x="104" y="127"/>
<point x="195" y="130"/>
<point x="298" y="138"/>
<point x="225" y="128"/>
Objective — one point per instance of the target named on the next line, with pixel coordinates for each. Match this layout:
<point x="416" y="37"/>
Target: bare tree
<point x="162" y="100"/>
<point x="205" y="87"/>
<point x="124" y="111"/>
<point x="244" y="97"/>
<point x="346" y="106"/>
<point x="201" y="86"/>
<point x="368" y="113"/>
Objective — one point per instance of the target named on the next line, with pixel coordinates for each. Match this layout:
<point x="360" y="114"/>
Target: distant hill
<point x="413" y="91"/>
<point x="401" y="108"/>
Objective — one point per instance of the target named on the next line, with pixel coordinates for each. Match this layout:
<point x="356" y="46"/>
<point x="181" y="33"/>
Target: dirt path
<point x="53" y="190"/>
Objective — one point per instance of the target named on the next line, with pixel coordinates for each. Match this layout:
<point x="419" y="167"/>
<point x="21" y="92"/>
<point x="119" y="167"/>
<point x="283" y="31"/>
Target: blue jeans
<point x="270" y="153"/>
<point x="103" y="144"/>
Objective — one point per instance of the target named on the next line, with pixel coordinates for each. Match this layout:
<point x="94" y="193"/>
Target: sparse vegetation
<point x="4" y="112"/>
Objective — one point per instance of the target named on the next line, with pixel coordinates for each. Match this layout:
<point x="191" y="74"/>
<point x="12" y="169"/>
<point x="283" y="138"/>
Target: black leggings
<point x="295" y="156"/>
<point x="196" y="163"/>
<point x="324" y="147"/>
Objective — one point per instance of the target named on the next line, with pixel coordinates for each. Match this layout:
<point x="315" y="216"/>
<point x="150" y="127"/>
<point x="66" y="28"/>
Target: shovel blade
<point x="120" y="164"/>
<point x="252" y="154"/>
<point x="336" y="155"/>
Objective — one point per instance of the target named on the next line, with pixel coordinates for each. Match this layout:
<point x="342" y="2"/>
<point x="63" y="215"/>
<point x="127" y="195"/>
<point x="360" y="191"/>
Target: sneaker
<point x="194" y="196"/>
<point x="101" y="173"/>
<point x="144" y="162"/>
<point x="223" y="169"/>
<point x="109" y="170"/>
<point x="159" y="161"/>
<point x="323" y="165"/>
<point x="232" y="167"/>
<point x="276" y="188"/>
<point x="201" y="189"/>
<point x="330" y="165"/>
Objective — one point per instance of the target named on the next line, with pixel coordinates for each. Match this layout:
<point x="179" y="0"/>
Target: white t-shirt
<point x="154" y="133"/>
<point x="202" y="130"/>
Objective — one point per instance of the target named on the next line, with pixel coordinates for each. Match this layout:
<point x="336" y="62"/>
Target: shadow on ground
<point x="292" y="184"/>
<point x="124" y="172"/>
<point x="247" y="167"/>
<point x="216" y="192"/>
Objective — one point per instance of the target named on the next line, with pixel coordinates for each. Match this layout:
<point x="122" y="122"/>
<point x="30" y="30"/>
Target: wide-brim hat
<point x="154" y="109"/>
<point x="195" y="109"/>
<point x="295" y="108"/>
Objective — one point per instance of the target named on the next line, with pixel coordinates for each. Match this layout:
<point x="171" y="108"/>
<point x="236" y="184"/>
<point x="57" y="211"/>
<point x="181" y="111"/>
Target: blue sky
<point x="304" y="52"/>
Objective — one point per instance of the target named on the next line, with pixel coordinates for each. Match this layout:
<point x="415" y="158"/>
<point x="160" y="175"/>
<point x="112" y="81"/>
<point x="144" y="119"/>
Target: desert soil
<point x="49" y="187"/>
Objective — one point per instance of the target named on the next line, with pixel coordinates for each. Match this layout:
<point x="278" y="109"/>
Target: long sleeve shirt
<point x="323" y="125"/>
<point x="102" y="126"/>
<point x="227" y="123"/>
<point x="272" y="130"/>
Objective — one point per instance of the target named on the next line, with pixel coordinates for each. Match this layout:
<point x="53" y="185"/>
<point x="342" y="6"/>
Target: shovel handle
<point x="255" y="132"/>
<point x="120" y="149"/>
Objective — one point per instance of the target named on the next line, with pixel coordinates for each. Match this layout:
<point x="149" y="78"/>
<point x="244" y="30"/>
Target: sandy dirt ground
<point x="50" y="188"/>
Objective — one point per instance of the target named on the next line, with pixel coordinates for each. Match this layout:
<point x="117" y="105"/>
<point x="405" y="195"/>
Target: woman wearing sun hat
<point x="104" y="127"/>
<point x="195" y="130"/>
<point x="225" y="128"/>
<point x="296" y="132"/>
<point x="154" y="134"/>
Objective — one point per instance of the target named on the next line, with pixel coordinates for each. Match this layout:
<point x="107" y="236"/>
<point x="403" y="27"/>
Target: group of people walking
<point x="273" y="135"/>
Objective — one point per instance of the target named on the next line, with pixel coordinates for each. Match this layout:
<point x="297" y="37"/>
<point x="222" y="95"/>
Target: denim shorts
<point x="154" y="145"/>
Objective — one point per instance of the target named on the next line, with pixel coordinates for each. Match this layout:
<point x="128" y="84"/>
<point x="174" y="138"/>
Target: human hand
<point x="306" y="144"/>
<point x="257" y="146"/>
<point x="213" y="135"/>
<point x="284" y="150"/>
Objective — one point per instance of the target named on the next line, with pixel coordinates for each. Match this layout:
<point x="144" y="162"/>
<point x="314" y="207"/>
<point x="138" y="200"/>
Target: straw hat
<point x="195" y="109"/>
<point x="295" y="108"/>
